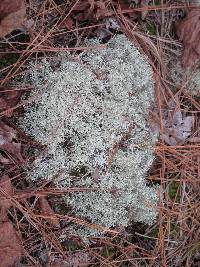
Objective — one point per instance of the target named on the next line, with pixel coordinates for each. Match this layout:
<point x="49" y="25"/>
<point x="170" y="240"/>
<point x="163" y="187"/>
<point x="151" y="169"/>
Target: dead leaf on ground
<point x="4" y="160"/>
<point x="8" y="142"/>
<point x="178" y="126"/>
<point x="101" y="10"/>
<point x="12" y="15"/>
<point x="5" y="192"/>
<point x="11" y="248"/>
<point x="93" y="10"/>
<point x="136" y="4"/>
<point x="188" y="31"/>
<point x="45" y="209"/>
<point x="68" y="23"/>
<point x="8" y="100"/>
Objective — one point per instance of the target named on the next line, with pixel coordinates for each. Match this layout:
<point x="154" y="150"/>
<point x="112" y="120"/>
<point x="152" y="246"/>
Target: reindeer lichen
<point x="90" y="112"/>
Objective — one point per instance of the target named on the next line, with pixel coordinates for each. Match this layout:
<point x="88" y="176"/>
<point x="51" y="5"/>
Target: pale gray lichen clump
<point x="90" y="113"/>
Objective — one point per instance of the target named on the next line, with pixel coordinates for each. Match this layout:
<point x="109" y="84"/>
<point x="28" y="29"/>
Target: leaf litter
<point x="46" y="210"/>
<point x="177" y="124"/>
<point x="9" y="143"/>
<point x="188" y="31"/>
<point x="12" y="15"/>
<point x="9" y="99"/>
<point x="11" y="249"/>
<point x="100" y="11"/>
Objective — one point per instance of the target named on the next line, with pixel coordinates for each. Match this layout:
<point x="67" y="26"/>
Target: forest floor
<point x="164" y="30"/>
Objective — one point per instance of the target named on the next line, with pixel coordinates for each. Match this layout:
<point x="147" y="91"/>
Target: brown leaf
<point x="80" y="10"/>
<point x="12" y="15"/>
<point x="68" y="23"/>
<point x="6" y="187"/>
<point x="188" y="31"/>
<point x="90" y="10"/>
<point x="125" y="6"/>
<point x="178" y="125"/>
<point x="6" y="133"/>
<point x="10" y="244"/>
<point x="8" y="143"/>
<point x="4" y="160"/>
<point x="81" y="6"/>
<point x="8" y="100"/>
<point x="6" y="190"/>
<point x="11" y="248"/>
<point x="3" y="103"/>
<point x="46" y="210"/>
<point x="101" y="11"/>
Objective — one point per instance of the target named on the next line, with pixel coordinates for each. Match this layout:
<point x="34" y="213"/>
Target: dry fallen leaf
<point x="5" y="191"/>
<point x="188" y="31"/>
<point x="10" y="245"/>
<point x="101" y="11"/>
<point x="12" y="15"/>
<point x="93" y="10"/>
<point x="68" y="23"/>
<point x="11" y="248"/>
<point x="178" y="133"/>
<point x="4" y="160"/>
<point x="45" y="209"/>
<point x="8" y="100"/>
<point x="178" y="126"/>
<point x="143" y="4"/>
<point x="8" y="142"/>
